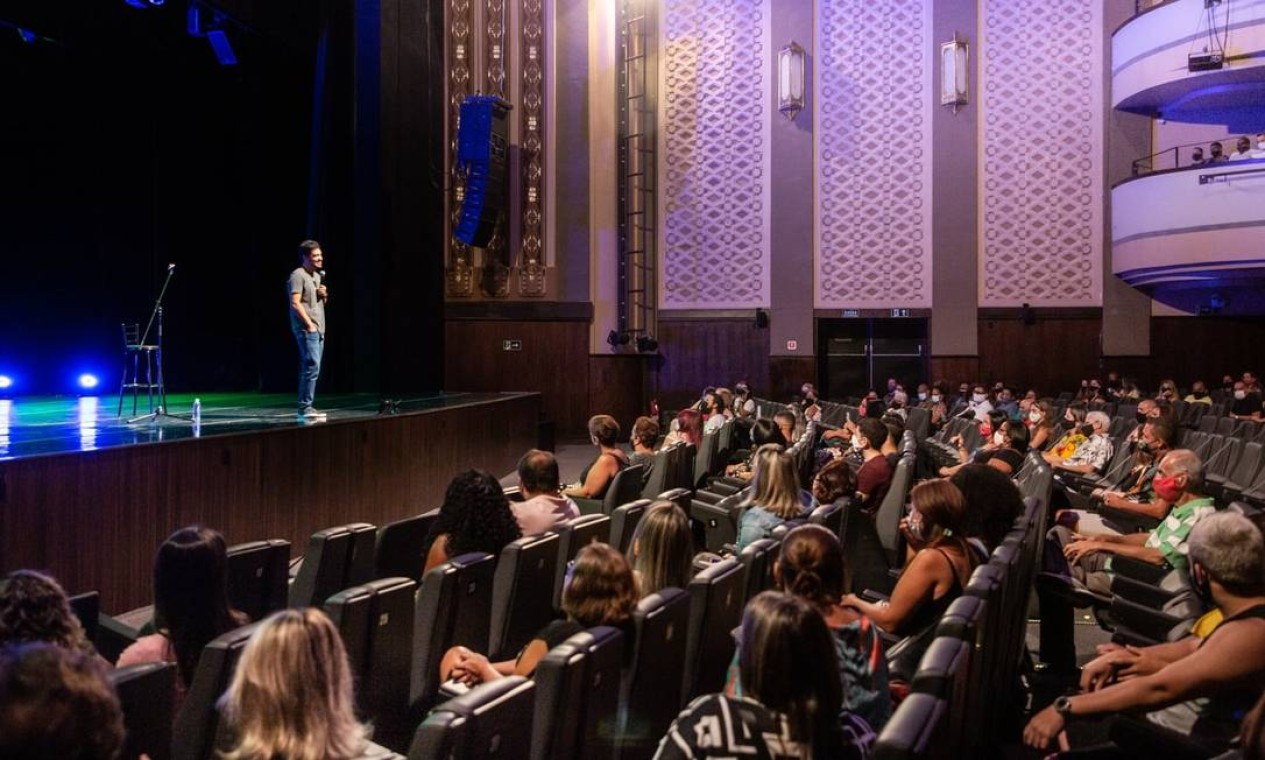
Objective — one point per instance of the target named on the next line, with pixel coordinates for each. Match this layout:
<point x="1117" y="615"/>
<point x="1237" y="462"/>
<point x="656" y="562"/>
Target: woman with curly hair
<point x="602" y="591"/>
<point x="475" y="517"/>
<point x="34" y="607"/>
<point x="191" y="604"/>
<point x="291" y="695"/>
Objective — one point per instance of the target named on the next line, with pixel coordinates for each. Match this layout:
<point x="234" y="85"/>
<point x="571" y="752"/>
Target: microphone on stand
<point x="171" y="267"/>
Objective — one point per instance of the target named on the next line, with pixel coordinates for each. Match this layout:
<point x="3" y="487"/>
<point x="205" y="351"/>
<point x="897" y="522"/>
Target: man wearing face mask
<point x="1092" y="455"/>
<point x="875" y="474"/>
<point x="744" y="405"/>
<point x="979" y="403"/>
<point x="1197" y="687"/>
<point x="1135" y="493"/>
<point x="1246" y="405"/>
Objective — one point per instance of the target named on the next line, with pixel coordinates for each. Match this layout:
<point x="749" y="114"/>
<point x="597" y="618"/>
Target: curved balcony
<point x="1178" y="233"/>
<point x="1150" y="73"/>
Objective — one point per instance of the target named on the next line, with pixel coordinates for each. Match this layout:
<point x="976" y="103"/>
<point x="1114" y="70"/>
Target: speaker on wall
<point x="483" y="153"/>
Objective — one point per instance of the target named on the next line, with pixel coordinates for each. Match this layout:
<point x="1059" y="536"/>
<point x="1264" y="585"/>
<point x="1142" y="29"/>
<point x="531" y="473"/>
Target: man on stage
<point x="307" y="321"/>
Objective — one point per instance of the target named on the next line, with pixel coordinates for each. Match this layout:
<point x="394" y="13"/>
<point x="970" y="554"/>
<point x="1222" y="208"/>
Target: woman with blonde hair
<point x="291" y="696"/>
<point x="662" y="550"/>
<point x="775" y="495"/>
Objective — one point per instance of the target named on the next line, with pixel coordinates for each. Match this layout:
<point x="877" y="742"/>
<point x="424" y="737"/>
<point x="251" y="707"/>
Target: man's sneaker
<point x="311" y="414"/>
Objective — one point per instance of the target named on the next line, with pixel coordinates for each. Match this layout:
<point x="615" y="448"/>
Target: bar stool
<point x="142" y="369"/>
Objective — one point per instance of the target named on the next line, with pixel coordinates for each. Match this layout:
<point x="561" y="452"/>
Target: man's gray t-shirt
<point x="305" y="285"/>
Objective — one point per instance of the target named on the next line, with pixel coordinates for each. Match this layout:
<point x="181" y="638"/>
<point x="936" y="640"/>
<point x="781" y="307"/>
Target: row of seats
<point x="970" y="672"/>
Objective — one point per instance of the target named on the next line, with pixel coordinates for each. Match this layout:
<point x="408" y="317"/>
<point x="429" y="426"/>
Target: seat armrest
<point x="113" y="637"/>
<point x="871" y="595"/>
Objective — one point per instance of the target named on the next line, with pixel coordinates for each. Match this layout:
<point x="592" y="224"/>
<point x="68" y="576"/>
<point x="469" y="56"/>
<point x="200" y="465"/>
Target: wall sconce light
<point x="791" y="80"/>
<point x="954" y="85"/>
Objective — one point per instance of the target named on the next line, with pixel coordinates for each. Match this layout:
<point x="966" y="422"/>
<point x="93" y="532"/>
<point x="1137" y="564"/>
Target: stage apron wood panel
<point x="94" y="519"/>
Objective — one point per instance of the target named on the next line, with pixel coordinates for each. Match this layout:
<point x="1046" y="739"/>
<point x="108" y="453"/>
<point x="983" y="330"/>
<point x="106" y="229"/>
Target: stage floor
<point x="38" y="426"/>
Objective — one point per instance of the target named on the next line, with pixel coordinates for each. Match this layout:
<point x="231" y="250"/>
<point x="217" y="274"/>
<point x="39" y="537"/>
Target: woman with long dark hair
<point x="791" y="694"/>
<point x="191" y="604"/>
<point x="475" y="517"/>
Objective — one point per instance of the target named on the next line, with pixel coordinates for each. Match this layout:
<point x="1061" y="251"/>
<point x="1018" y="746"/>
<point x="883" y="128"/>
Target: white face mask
<point x="922" y="397"/>
<point x="978" y="398"/>
<point x="1035" y="416"/>
<point x="935" y="399"/>
<point x="999" y="438"/>
<point x="1240" y="395"/>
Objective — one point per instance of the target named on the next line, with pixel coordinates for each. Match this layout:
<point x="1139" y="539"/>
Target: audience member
<point x="1215" y="154"/>
<point x="811" y="567"/>
<point x="645" y="433"/>
<point x="475" y="517"/>
<point x="1073" y="436"/>
<point x="789" y="694"/>
<point x="543" y="507"/>
<point x="33" y="607"/>
<point x="1040" y="424"/>
<point x="1246" y="405"/>
<point x="689" y="428"/>
<point x="1242" y="149"/>
<point x="833" y="482"/>
<point x="1197" y="156"/>
<point x="1259" y="152"/>
<point x="191" y="604"/>
<point x="875" y="474"/>
<point x="785" y="422"/>
<point x="993" y="503"/>
<point x="291" y="695"/>
<point x="662" y="550"/>
<point x="601" y="591"/>
<point x="1177" y="481"/>
<point x="775" y="495"/>
<point x="932" y="579"/>
<point x="1005" y="451"/>
<point x="1201" y="687"/>
<point x="979" y="403"/>
<point x="597" y="477"/>
<point x="56" y="703"/>
<point x="1093" y="453"/>
<point x="763" y="431"/>
<point x="1135" y="493"/>
<point x="743" y="404"/>
<point x="1198" y="394"/>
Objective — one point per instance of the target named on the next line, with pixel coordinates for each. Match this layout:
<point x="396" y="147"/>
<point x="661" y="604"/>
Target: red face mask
<point x="1166" y="487"/>
<point x="986" y="430"/>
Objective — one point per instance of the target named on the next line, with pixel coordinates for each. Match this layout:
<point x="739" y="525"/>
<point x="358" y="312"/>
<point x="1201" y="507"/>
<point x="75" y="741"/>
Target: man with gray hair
<point x="1086" y="560"/>
<point x="1197" y="687"/>
<point x="1094" y="454"/>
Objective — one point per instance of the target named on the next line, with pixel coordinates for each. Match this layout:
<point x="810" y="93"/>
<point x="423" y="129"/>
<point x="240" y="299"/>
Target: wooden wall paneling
<point x="954" y="369"/>
<point x="94" y="519"/>
<point x="696" y="353"/>
<point x="787" y="374"/>
<point x="1051" y="355"/>
<point x="617" y="386"/>
<point x="553" y="362"/>
<point x="1205" y="348"/>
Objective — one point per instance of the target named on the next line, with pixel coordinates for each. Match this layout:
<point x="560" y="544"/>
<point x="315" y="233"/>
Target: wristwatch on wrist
<point x="1063" y="706"/>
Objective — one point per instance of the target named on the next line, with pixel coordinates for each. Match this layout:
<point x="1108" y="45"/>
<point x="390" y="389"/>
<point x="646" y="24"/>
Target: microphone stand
<point x="157" y="316"/>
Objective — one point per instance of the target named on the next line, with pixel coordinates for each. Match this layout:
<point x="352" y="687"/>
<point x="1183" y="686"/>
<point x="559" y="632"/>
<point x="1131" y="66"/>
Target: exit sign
<point x="900" y="312"/>
<point x="512" y="345"/>
<point x="792" y="345"/>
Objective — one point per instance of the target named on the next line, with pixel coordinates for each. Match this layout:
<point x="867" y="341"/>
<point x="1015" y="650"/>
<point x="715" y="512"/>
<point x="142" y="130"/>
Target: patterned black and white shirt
<point x="719" y="727"/>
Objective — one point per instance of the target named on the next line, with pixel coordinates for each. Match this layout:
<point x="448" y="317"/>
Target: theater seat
<point x="375" y="621"/>
<point x="577" y="696"/>
<point x="197" y="725"/>
<point x="650" y="695"/>
<point x="522" y="594"/>
<point x="87" y="609"/>
<point x="626" y="486"/>
<point x="399" y="547"/>
<point x="259" y="576"/>
<point x="716" y="604"/>
<point x="574" y="535"/>
<point x="145" y="696"/>
<point x="492" y="720"/>
<point x="452" y="607"/>
<point x="624" y="521"/>
<point x="914" y="729"/>
<point x="757" y="566"/>
<point x="336" y="558"/>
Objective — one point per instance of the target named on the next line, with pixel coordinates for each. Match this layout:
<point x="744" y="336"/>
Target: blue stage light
<point x="88" y="381"/>
<point x="6" y="382"/>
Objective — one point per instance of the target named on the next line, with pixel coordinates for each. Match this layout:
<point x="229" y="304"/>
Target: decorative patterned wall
<point x="1041" y="143"/>
<point x="874" y="101"/>
<point x="716" y="95"/>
